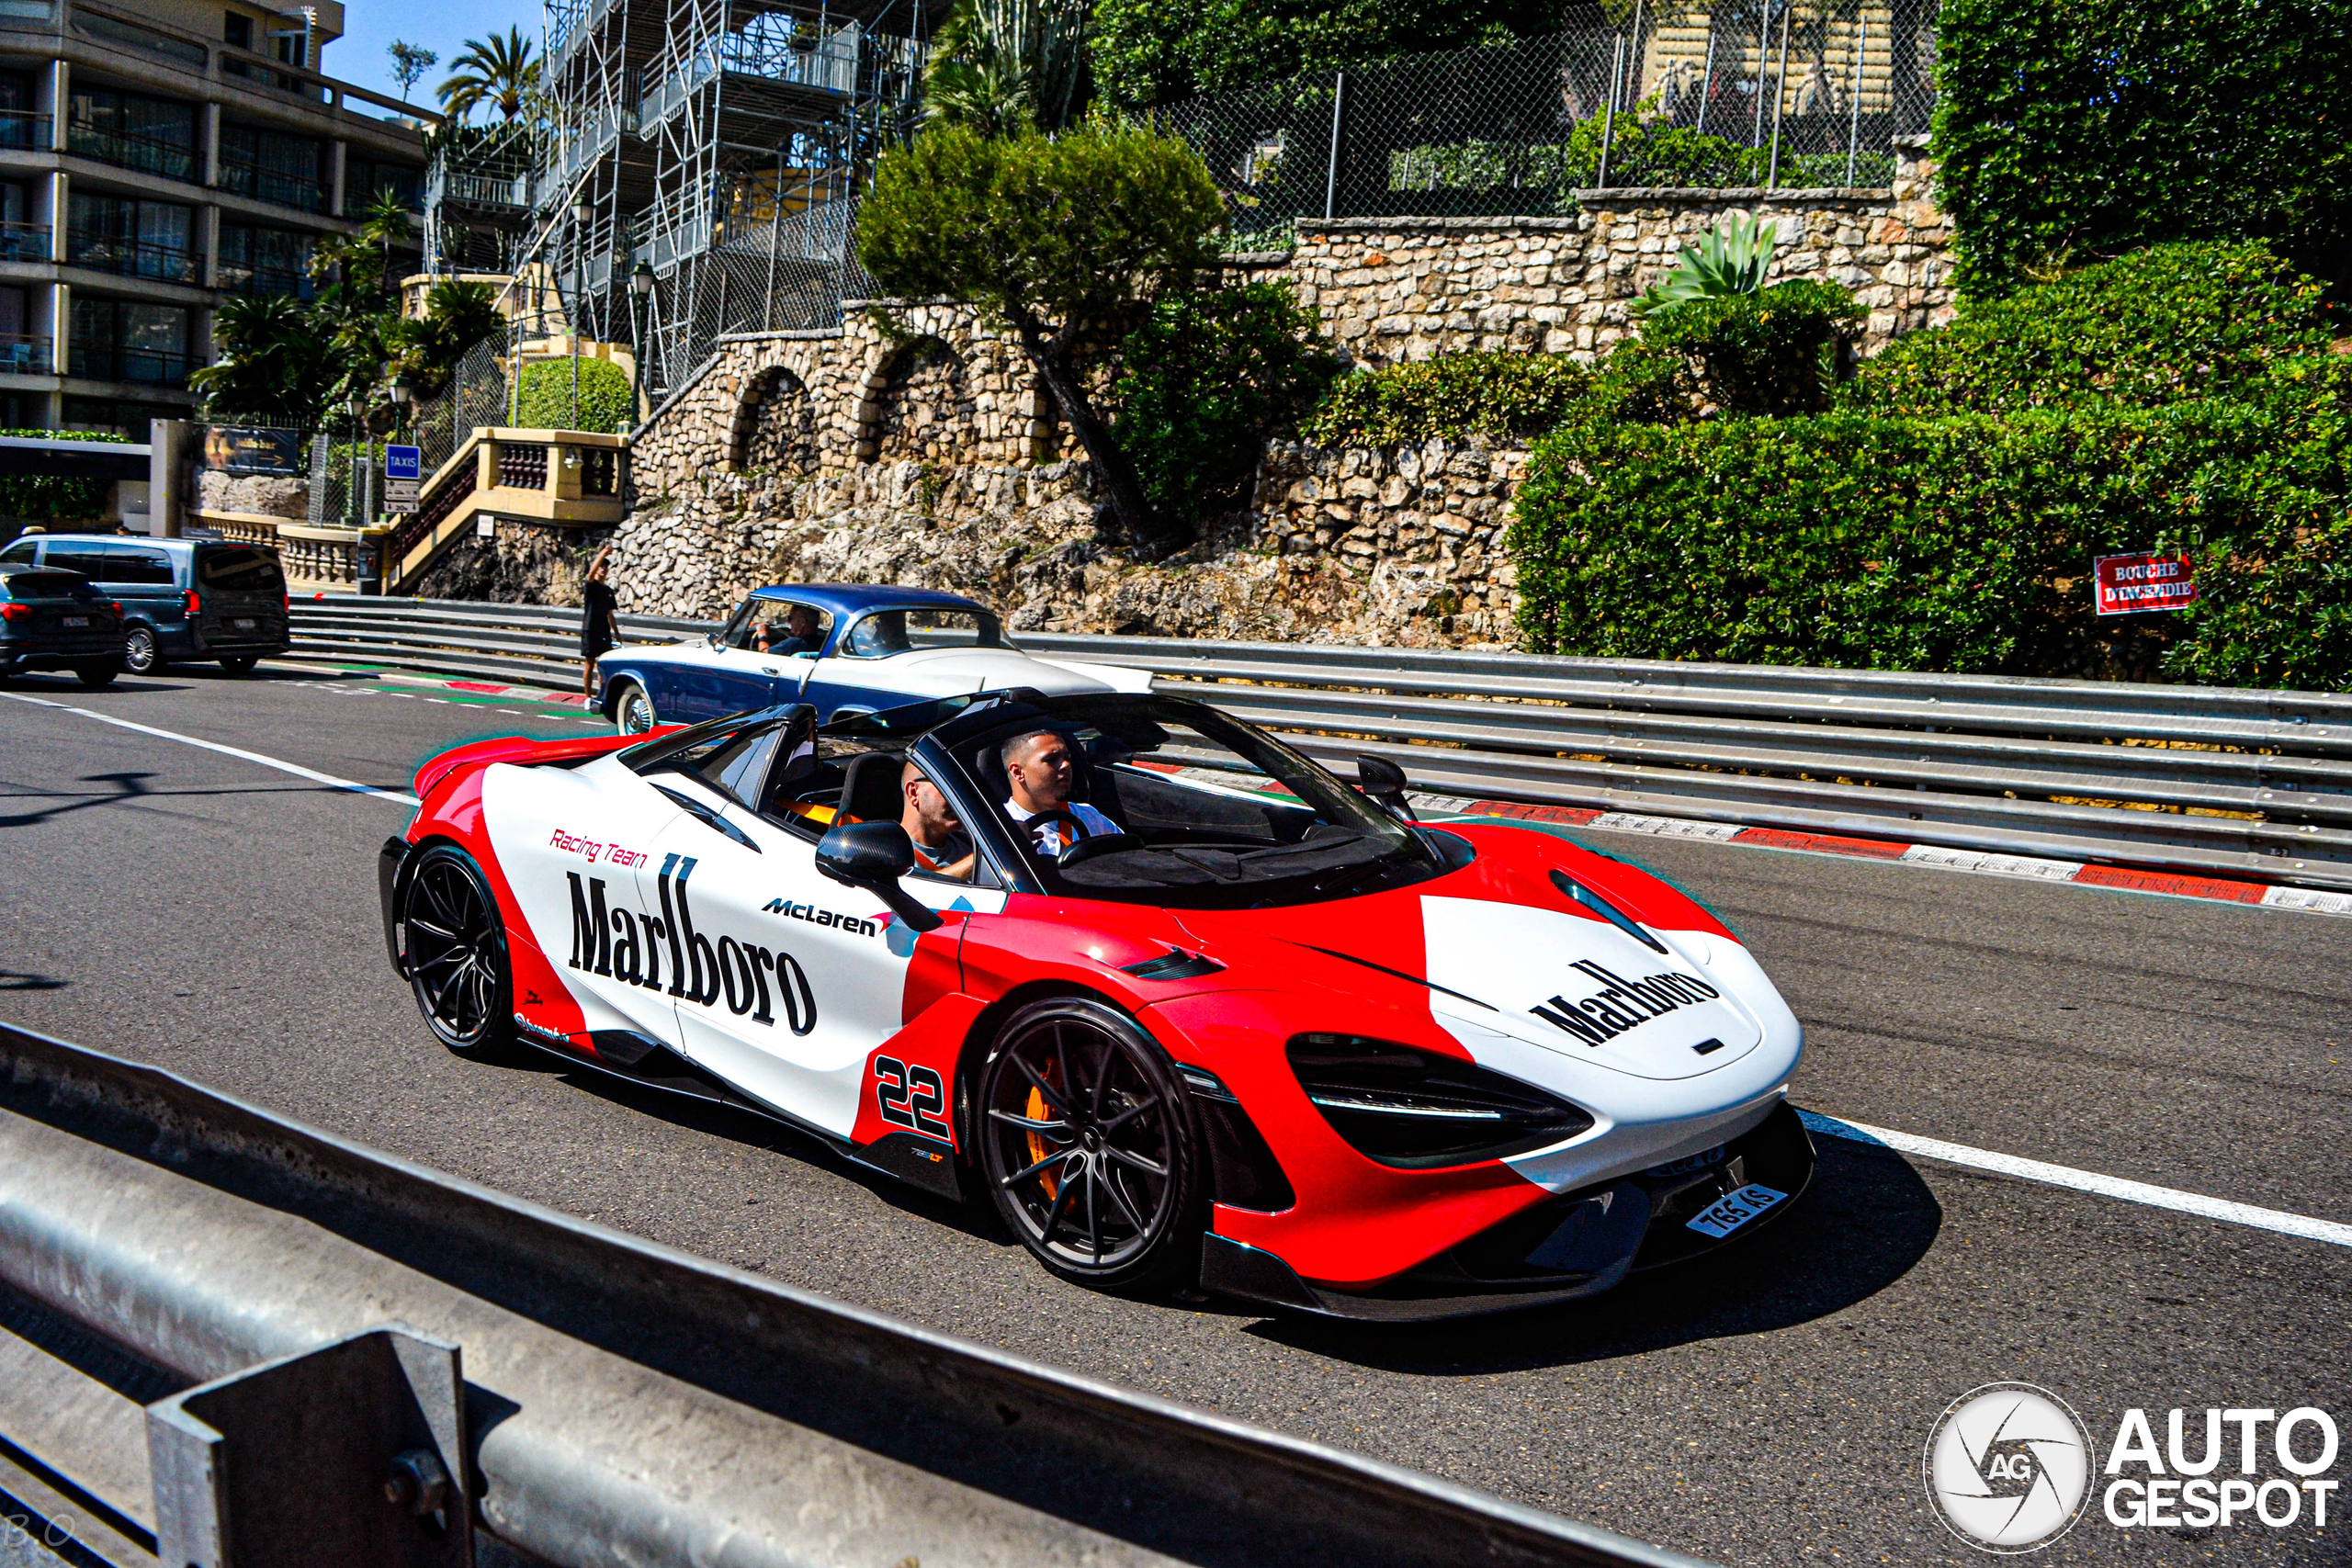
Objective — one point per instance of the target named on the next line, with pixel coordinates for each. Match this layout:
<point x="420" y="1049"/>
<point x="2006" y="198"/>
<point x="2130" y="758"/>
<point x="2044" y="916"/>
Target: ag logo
<point x="2008" y="1467"/>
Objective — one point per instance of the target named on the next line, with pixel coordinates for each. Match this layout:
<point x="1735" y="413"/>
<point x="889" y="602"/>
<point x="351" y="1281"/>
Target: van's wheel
<point x="456" y="948"/>
<point x="98" y="674"/>
<point x="632" y="709"/>
<point x="1086" y="1140"/>
<point x="140" y="653"/>
<point x="240" y="663"/>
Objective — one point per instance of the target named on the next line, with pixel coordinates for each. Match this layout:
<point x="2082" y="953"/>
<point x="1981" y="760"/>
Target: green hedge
<point x="1501" y="395"/>
<point x="545" y="400"/>
<point x="2070" y="129"/>
<point x="1962" y="543"/>
<point x="51" y="498"/>
<point x="1772" y="351"/>
<point x="2173" y="321"/>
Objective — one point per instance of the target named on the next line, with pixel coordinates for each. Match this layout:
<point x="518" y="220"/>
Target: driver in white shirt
<point x="1043" y="772"/>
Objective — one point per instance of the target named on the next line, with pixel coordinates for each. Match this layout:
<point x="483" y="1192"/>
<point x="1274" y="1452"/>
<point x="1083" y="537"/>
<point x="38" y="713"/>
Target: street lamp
<point x="403" y="397"/>
<point x="581" y="215"/>
<point x="640" y="288"/>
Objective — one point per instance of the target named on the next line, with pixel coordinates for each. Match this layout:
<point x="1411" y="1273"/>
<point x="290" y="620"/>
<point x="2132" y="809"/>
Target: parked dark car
<point x="182" y="599"/>
<point x="57" y="620"/>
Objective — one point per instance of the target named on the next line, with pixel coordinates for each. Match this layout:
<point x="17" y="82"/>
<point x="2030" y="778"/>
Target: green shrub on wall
<point x="1773" y="352"/>
<point x="546" y="400"/>
<point x="2071" y="129"/>
<point x="2173" y="321"/>
<point x="51" y="498"/>
<point x="1202" y="381"/>
<point x="1503" y="397"/>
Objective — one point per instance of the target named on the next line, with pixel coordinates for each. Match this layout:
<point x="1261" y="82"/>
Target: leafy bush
<point x="1641" y="152"/>
<point x="2069" y="129"/>
<point x="1768" y="353"/>
<point x="1145" y="52"/>
<point x="1205" y="378"/>
<point x="47" y="498"/>
<point x="1962" y="543"/>
<point x="2173" y="321"/>
<point x="605" y="402"/>
<point x="1505" y="396"/>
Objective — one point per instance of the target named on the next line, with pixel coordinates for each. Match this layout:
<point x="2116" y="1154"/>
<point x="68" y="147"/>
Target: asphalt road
<point x="213" y="916"/>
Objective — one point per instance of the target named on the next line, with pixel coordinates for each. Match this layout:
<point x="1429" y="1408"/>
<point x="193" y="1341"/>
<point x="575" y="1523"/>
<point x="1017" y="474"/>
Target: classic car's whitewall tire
<point x="632" y="709"/>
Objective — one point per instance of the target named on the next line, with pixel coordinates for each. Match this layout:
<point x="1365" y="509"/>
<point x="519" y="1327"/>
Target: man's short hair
<point x="1022" y="742"/>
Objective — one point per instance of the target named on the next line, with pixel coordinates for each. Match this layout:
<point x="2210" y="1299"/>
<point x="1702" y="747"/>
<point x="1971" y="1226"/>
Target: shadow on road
<point x="1868" y="1219"/>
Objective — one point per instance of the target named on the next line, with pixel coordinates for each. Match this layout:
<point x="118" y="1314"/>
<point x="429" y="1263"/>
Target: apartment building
<point x="156" y="158"/>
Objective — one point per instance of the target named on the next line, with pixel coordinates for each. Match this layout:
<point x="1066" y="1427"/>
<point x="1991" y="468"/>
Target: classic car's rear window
<point x="886" y="632"/>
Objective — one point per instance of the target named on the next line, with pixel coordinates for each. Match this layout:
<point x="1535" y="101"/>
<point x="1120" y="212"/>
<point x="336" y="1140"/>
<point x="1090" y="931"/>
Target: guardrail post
<point x="350" y="1456"/>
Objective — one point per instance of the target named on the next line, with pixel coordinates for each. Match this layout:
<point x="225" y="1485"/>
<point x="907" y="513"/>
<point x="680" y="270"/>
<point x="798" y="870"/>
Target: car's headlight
<point x="1417" y="1110"/>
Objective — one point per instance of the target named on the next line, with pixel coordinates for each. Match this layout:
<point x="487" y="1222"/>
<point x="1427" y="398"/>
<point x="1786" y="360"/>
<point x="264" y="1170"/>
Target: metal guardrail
<point x="2244" y="782"/>
<point x="393" y="1365"/>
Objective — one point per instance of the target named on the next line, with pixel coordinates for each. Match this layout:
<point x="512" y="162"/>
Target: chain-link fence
<point x="346" y="457"/>
<point x="1770" y="94"/>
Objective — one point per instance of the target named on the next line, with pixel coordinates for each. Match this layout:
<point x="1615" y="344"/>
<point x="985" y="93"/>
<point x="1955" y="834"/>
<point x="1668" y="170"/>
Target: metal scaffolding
<point x="716" y="143"/>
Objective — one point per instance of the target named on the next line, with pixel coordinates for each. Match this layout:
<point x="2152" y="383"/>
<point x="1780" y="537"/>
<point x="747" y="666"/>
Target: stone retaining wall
<point x="912" y="445"/>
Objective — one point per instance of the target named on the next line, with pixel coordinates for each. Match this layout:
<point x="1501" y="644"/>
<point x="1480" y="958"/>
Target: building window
<point x="20" y="239"/>
<point x="239" y="31"/>
<point x="137" y="239"/>
<point x="121" y="417"/>
<point x="364" y="179"/>
<point x="21" y="352"/>
<point x="129" y="340"/>
<point x="153" y="135"/>
<point x="271" y="167"/>
<point x="264" y="261"/>
<point x="19" y="126"/>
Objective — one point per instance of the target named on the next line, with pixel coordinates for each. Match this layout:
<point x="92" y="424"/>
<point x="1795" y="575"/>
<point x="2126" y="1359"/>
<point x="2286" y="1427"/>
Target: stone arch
<point x="774" y="428"/>
<point x="919" y="406"/>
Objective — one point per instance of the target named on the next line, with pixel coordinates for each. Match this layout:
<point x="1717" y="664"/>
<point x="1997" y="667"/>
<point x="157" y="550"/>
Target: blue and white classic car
<point x="844" y="649"/>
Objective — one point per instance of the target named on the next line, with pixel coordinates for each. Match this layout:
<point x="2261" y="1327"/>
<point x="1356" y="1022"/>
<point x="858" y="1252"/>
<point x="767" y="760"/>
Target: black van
<point x="182" y="599"/>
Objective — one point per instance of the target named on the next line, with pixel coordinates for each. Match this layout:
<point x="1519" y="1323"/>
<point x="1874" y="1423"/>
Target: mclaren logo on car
<point x="1622" y="1004"/>
<point x="816" y="916"/>
<point x="621" y="944"/>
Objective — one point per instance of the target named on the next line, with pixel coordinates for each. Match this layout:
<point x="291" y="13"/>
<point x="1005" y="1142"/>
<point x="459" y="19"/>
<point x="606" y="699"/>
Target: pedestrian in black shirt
<point x="598" y="628"/>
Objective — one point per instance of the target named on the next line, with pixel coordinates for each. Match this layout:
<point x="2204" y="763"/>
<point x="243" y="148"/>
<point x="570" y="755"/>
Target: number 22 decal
<point x="911" y="1097"/>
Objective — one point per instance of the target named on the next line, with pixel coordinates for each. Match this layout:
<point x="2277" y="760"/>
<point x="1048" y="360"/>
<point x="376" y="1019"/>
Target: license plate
<point x="77" y="620"/>
<point x="1726" y="1214"/>
<point x="245" y="624"/>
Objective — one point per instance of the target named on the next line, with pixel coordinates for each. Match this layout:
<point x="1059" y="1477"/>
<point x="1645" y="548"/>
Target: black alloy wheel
<point x="240" y="663"/>
<point x="1086" y="1140"/>
<point x="456" y="947"/>
<point x="139" y="655"/>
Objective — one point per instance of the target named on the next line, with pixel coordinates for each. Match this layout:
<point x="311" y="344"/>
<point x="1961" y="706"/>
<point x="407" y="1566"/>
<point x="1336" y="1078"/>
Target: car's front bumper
<point x="1578" y="1244"/>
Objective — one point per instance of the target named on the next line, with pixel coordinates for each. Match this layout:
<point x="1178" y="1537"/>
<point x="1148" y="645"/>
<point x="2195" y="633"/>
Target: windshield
<point x="882" y="633"/>
<point x="1165" y="801"/>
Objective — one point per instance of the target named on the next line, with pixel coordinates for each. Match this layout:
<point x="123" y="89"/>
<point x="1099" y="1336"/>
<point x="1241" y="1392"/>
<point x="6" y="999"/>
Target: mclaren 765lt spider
<point x="1179" y="1004"/>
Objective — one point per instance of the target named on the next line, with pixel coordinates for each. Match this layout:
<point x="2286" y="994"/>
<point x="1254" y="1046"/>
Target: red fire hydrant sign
<point x="2128" y="585"/>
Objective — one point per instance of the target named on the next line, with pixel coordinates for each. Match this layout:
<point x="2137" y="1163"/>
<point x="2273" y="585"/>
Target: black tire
<point x="632" y="709"/>
<point x="240" y="663"/>
<point x="1103" y="1187"/>
<point x="456" y="947"/>
<point x="141" y="656"/>
<point x="98" y="674"/>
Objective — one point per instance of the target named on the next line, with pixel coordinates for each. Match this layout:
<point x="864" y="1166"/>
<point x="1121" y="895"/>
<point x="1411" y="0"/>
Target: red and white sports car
<point x="1180" y="1003"/>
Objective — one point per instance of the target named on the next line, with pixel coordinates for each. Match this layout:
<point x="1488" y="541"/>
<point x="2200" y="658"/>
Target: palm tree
<point x="1000" y="65"/>
<point x="495" y="71"/>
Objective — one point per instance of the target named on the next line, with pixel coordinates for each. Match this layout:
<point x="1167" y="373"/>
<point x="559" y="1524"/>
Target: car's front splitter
<point x="1578" y="1244"/>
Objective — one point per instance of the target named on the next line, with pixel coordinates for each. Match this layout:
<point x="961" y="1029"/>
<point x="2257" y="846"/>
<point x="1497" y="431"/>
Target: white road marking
<point x="2155" y="1197"/>
<point x="283" y="767"/>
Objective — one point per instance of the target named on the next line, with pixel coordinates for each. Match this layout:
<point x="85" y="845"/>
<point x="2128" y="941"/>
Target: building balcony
<point x="23" y="131"/>
<point x="133" y="258"/>
<point x="129" y="150"/>
<point x="120" y="362"/>
<point x="24" y="241"/>
<point x="21" y="354"/>
<point x="271" y="184"/>
<point x="238" y="277"/>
